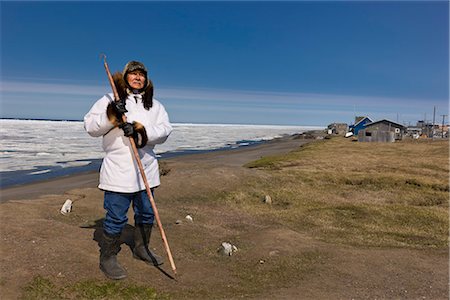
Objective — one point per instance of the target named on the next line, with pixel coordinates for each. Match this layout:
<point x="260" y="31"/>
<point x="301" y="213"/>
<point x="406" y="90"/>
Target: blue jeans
<point x="117" y="205"/>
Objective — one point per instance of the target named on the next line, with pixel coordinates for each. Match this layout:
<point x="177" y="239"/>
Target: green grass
<point x="44" y="288"/>
<point x="41" y="288"/>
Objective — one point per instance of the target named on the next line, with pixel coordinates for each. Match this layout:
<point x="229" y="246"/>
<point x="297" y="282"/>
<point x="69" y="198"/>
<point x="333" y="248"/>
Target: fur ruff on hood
<point x="123" y="91"/>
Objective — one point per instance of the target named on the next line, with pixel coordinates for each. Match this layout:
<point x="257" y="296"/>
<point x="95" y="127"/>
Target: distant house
<point x="381" y="131"/>
<point x="414" y="132"/>
<point x="337" y="128"/>
<point x="359" y="124"/>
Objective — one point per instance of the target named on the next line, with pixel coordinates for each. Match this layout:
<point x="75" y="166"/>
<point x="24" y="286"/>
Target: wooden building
<point x="337" y="128"/>
<point x="381" y="131"/>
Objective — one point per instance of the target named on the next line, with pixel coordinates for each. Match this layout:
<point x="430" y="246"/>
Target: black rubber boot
<point x="142" y="234"/>
<point x="110" y="246"/>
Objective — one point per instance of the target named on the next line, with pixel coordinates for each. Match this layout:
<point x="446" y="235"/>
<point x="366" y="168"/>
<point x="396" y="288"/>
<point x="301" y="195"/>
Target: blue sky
<point x="293" y="63"/>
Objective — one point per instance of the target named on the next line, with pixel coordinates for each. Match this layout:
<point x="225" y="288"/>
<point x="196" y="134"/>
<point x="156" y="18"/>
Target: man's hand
<point x="120" y="109"/>
<point x="128" y="129"/>
<point x="115" y="111"/>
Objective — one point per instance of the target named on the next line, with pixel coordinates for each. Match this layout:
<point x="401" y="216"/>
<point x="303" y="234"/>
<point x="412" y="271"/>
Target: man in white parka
<point x="148" y="124"/>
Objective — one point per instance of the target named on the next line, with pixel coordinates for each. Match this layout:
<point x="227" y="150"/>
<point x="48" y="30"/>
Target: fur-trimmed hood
<point x="123" y="91"/>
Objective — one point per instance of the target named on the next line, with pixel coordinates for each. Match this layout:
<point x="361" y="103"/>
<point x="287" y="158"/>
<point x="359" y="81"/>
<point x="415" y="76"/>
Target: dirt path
<point x="273" y="262"/>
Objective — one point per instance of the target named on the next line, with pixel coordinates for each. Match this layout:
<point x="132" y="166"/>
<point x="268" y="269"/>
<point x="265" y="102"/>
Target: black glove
<point x="127" y="128"/>
<point x="115" y="111"/>
<point x="120" y="107"/>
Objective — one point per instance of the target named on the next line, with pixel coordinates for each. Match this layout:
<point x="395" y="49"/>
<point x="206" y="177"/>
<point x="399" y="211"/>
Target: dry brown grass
<point x="366" y="194"/>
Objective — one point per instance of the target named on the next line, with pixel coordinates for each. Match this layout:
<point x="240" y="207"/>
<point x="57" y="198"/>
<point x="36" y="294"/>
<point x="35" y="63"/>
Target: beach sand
<point x="38" y="240"/>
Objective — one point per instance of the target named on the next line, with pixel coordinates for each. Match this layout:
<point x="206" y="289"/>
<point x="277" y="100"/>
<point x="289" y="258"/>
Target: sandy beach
<point x="39" y="243"/>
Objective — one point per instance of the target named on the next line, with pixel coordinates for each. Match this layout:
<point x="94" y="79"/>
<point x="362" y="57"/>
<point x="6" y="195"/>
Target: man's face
<point x="136" y="79"/>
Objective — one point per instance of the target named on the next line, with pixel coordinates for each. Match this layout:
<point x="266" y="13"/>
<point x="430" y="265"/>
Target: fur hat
<point x="133" y="66"/>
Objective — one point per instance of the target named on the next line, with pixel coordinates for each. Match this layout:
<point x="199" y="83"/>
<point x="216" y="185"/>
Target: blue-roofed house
<point x="360" y="122"/>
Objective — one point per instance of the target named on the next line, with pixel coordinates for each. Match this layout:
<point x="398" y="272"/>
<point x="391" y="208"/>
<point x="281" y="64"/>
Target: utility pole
<point x="434" y="120"/>
<point x="443" y="120"/>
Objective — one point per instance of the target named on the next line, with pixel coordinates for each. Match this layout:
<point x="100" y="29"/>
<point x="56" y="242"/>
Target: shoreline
<point x="59" y="184"/>
<point x="12" y="179"/>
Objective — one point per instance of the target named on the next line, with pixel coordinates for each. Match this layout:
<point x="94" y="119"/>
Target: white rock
<point x="67" y="207"/>
<point x="189" y="218"/>
<point x="178" y="222"/>
<point x="227" y="249"/>
<point x="268" y="199"/>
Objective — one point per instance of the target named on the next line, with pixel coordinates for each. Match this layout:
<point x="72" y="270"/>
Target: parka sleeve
<point x="159" y="130"/>
<point x="96" y="121"/>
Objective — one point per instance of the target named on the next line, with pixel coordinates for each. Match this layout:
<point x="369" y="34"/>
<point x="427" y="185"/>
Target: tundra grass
<point x="275" y="272"/>
<point x="363" y="194"/>
<point x="44" y="288"/>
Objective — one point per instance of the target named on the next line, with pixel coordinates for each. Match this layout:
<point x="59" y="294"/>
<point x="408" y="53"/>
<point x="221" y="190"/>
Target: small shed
<point x="359" y="124"/>
<point x="382" y="131"/>
<point x="337" y="128"/>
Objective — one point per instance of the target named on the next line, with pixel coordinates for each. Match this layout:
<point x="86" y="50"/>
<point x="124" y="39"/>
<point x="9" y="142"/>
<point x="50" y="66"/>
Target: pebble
<point x="189" y="218"/>
<point x="268" y="199"/>
<point x="227" y="249"/>
<point x="178" y="222"/>
<point x="67" y="207"/>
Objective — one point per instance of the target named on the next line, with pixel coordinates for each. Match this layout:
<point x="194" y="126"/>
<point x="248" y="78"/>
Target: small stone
<point x="262" y="261"/>
<point x="227" y="249"/>
<point x="67" y="207"/>
<point x="274" y="253"/>
<point x="268" y="199"/>
<point x="60" y="275"/>
<point x="178" y="222"/>
<point x="189" y="218"/>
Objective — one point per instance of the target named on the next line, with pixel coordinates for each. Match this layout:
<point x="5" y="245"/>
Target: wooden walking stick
<point x="141" y="169"/>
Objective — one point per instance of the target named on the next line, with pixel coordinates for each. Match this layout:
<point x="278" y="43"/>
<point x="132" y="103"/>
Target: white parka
<point x="119" y="171"/>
